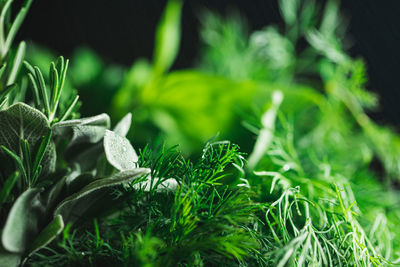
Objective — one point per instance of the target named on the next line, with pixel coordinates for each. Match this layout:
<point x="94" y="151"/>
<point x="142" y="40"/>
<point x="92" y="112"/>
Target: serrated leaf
<point x="48" y="234"/>
<point x="119" y="151"/>
<point x="21" y="225"/>
<point x="123" y="126"/>
<point x="73" y="207"/>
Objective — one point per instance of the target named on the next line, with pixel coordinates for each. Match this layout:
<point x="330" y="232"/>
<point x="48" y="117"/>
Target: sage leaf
<point x="22" y="222"/>
<point x="85" y="158"/>
<point x="84" y="135"/>
<point x="87" y="134"/>
<point x="103" y="167"/>
<point x="124" y="125"/>
<point x="48" y="234"/>
<point x="53" y="194"/>
<point x="79" y="182"/>
<point x="119" y="151"/>
<point x="8" y="259"/>
<point x="75" y="206"/>
<point x="66" y="127"/>
<point x="22" y="122"/>
<point x="156" y="184"/>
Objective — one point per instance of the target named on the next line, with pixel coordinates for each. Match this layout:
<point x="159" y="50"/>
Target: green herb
<point x="74" y="191"/>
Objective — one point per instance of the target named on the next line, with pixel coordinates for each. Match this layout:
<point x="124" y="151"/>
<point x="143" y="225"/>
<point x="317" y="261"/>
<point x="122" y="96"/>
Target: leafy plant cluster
<point x="74" y="192"/>
<point x="54" y="169"/>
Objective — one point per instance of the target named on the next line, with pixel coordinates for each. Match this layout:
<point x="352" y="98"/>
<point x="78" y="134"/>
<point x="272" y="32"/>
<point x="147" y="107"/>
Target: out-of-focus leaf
<point x="135" y="79"/>
<point x="86" y="66"/>
<point x="330" y="21"/>
<point x="272" y="48"/>
<point x="22" y="222"/>
<point x="167" y="37"/>
<point x="266" y="135"/>
<point x="8" y="259"/>
<point x="196" y="106"/>
<point x="327" y="46"/>
<point x="289" y="10"/>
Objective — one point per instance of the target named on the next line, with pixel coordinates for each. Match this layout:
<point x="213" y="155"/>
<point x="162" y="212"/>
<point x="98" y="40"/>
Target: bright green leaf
<point x="167" y="37"/>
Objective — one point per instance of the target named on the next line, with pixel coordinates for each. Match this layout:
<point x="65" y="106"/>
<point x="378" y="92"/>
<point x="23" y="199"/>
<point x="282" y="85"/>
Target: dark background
<point x="123" y="30"/>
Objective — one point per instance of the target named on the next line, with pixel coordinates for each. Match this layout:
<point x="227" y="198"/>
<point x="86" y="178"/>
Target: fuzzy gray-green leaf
<point x="66" y="127"/>
<point x="8" y="259"/>
<point x="119" y="151"/>
<point x="123" y="126"/>
<point x="21" y="225"/>
<point x="77" y="204"/>
<point x="21" y="121"/>
<point x="48" y="234"/>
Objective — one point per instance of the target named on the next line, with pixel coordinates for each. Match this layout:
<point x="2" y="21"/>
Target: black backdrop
<point x="123" y="30"/>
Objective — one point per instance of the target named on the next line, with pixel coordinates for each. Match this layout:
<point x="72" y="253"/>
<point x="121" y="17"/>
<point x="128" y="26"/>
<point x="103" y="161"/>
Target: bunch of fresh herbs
<point x="74" y="192"/>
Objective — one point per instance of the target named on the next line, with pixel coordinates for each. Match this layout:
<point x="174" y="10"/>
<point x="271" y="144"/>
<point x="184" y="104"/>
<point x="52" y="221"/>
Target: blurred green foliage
<point x="292" y="98"/>
<point x="305" y="59"/>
